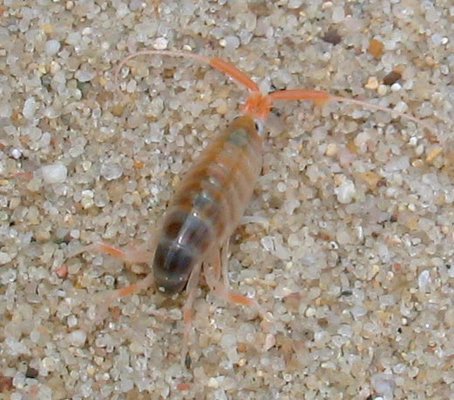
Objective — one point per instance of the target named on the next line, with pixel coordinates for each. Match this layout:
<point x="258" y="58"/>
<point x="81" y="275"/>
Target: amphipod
<point x="212" y="196"/>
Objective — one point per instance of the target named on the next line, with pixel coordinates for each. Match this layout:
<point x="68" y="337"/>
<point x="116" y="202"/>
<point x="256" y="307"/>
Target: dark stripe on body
<point x="208" y="204"/>
<point x="184" y="238"/>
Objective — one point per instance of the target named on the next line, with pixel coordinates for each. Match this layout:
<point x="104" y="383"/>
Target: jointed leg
<point x="129" y="255"/>
<point x="191" y="289"/>
<point x="218" y="263"/>
<point x="132" y="255"/>
<point x="108" y="297"/>
<point x="224" y="260"/>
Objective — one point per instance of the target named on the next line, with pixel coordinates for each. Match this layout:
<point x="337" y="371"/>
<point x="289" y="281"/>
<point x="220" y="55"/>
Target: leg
<point x="255" y="219"/>
<point x="224" y="261"/>
<point x="107" y="298"/>
<point x="132" y="254"/>
<point x="218" y="263"/>
<point x="213" y="274"/>
<point x="191" y="289"/>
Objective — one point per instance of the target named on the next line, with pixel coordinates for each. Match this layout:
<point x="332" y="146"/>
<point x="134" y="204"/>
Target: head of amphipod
<point x="258" y="106"/>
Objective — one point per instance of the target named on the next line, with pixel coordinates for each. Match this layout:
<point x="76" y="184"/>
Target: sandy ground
<point x="352" y="246"/>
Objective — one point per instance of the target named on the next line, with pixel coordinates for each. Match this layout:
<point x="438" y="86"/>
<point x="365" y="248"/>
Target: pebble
<point x="87" y="198"/>
<point x="331" y="149"/>
<point x="345" y="192"/>
<point x="72" y="321"/>
<point x="160" y="43"/>
<point x="16" y="153"/>
<point x="424" y="281"/>
<point x="372" y="83"/>
<point x="73" y="38"/>
<point x="376" y="48"/>
<point x="382" y="90"/>
<point x="230" y="42"/>
<point x="5" y="258"/>
<point x="111" y="171"/>
<point x="52" y="47"/>
<point x="54" y="173"/>
<point x="29" y="109"/>
<point x="449" y="317"/>
<point x="126" y="385"/>
<point x="85" y="75"/>
<point x="384" y="384"/>
<point x="270" y="341"/>
<point x="5" y="110"/>
<point x="292" y="4"/>
<point x="213" y="383"/>
<point x="392" y="78"/>
<point x="338" y="14"/>
<point x="268" y="243"/>
<point x="77" y="338"/>
<point x="433" y="154"/>
<point x="398" y="164"/>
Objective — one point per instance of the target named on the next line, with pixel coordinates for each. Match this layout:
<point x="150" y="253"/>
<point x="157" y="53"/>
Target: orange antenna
<point x="217" y="63"/>
<point x="321" y="98"/>
<point x="258" y="105"/>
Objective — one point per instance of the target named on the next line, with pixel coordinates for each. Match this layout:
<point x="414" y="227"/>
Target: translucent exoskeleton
<point x="212" y="196"/>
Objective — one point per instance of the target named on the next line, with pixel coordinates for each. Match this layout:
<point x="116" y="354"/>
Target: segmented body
<point x="213" y="195"/>
<point x="208" y="204"/>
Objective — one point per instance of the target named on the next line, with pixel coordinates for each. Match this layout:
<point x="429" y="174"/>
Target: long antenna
<point x="217" y="63"/>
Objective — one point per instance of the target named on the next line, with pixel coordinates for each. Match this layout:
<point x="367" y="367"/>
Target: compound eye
<point x="259" y="126"/>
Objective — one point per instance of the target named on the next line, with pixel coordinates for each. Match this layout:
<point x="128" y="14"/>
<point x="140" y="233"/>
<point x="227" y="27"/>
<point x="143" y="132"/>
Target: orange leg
<point x="107" y="298"/>
<point x="216" y="274"/>
<point x="131" y="255"/>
